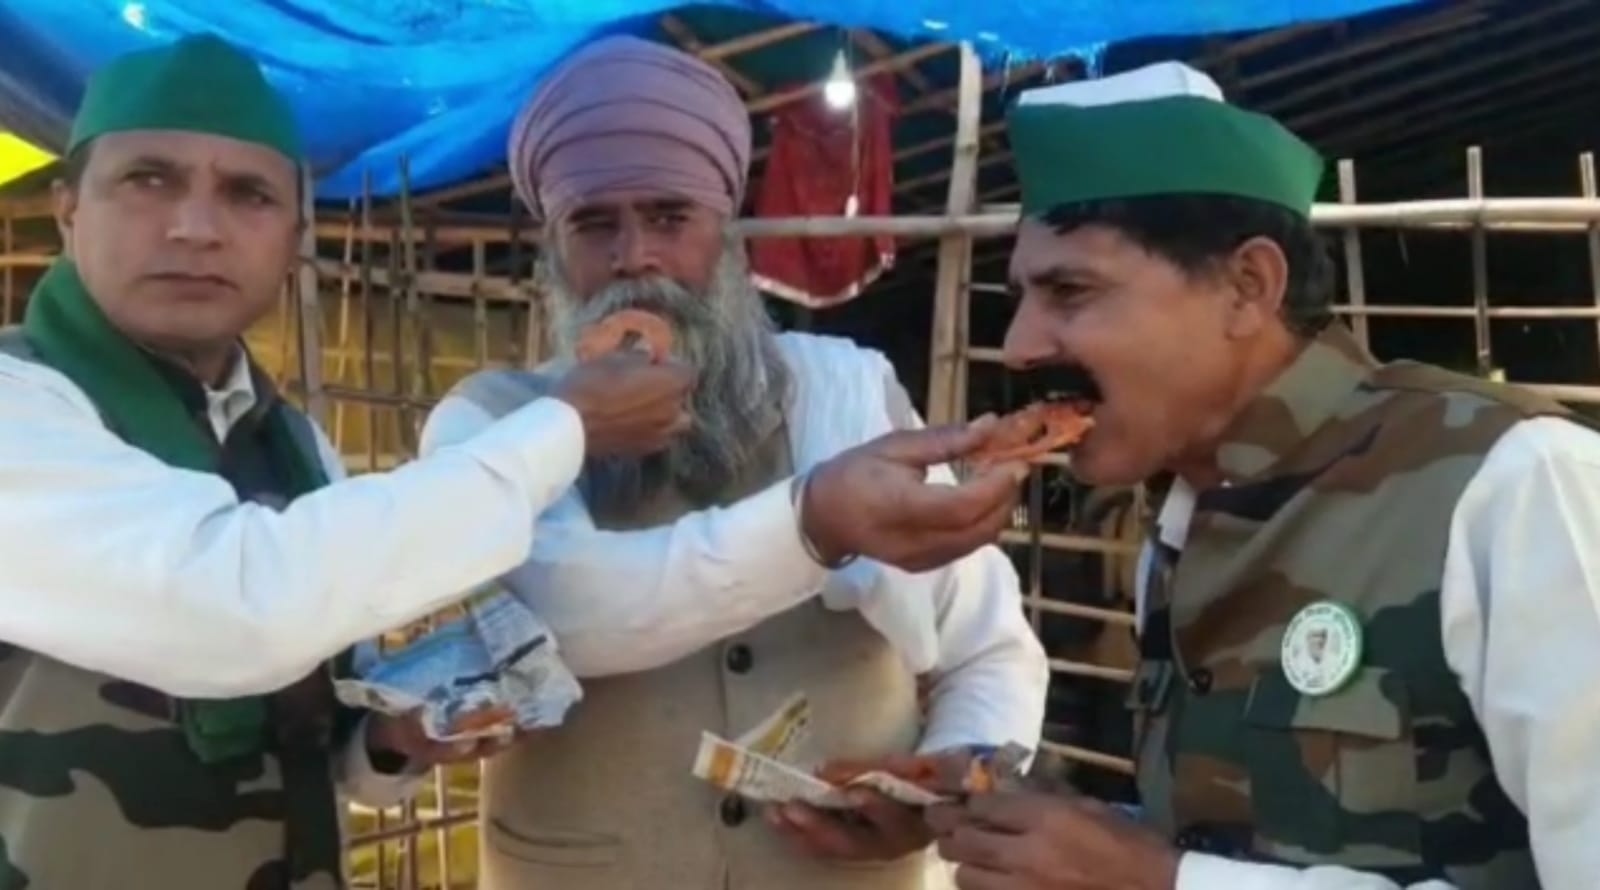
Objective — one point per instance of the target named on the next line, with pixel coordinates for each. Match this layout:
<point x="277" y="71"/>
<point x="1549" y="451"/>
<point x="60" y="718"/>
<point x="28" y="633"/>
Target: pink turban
<point x="625" y="113"/>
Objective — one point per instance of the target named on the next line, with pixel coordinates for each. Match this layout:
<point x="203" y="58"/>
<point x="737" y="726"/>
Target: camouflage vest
<point x="1340" y="484"/>
<point x="99" y="789"/>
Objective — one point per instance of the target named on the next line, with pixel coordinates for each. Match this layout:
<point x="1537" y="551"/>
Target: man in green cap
<point x="180" y="568"/>
<point x="1370" y="620"/>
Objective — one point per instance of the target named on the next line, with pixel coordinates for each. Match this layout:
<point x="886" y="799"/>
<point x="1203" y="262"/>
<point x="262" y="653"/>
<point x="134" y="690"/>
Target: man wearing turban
<point x="699" y="587"/>
<point x="180" y="566"/>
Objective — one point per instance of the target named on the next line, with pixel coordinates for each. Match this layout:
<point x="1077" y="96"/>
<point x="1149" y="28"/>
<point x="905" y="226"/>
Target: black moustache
<point x="1055" y="382"/>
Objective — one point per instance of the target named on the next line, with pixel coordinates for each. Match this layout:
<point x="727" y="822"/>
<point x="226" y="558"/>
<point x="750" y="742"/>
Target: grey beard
<point x="737" y="403"/>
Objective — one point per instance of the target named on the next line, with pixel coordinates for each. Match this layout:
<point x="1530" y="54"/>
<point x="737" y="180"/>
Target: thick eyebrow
<point x="152" y="162"/>
<point x="592" y="213"/>
<point x="232" y="179"/>
<point x="248" y="180"/>
<point x="1062" y="274"/>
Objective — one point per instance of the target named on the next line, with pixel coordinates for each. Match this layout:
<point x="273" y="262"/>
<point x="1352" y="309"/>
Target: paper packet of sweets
<point x="775" y="763"/>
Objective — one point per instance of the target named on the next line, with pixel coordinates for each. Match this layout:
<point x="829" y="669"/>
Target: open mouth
<point x="1059" y="414"/>
<point x="1069" y="384"/>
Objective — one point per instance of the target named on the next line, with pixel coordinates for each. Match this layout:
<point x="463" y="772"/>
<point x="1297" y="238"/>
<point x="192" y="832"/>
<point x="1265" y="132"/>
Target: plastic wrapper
<point x="488" y="674"/>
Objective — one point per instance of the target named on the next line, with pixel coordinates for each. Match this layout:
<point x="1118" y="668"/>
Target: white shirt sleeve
<point x="992" y="677"/>
<point x="118" y="563"/>
<point x="357" y="779"/>
<point x="625" y="601"/>
<point x="1200" y="871"/>
<point x="1521" y="622"/>
<point x="1520" y="613"/>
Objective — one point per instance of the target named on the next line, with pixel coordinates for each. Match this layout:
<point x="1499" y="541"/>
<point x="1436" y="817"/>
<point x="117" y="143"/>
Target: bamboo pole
<point x="480" y="306"/>
<point x="1078" y="610"/>
<point x="752" y="42"/>
<point x="1093" y="758"/>
<point x="1355" y="274"/>
<point x="8" y="239"/>
<point x="947" y="365"/>
<point x="342" y="360"/>
<point x="1000" y="220"/>
<point x="1441" y="77"/>
<point x="309" y="303"/>
<point x="368" y="319"/>
<point x="1480" y="268"/>
<point x="690" y="42"/>
<point x="394" y="303"/>
<point x="410" y="321"/>
<point x="1586" y="179"/>
<point x="897" y="63"/>
<point x="430" y="259"/>
<point x="1381" y="41"/>
<point x="515" y="225"/>
<point x="1084" y="669"/>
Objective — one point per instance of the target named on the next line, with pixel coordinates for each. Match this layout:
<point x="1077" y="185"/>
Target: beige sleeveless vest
<point x="607" y="802"/>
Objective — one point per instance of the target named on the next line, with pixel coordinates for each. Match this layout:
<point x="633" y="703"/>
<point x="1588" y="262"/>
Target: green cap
<point x="1159" y="130"/>
<point x="199" y="84"/>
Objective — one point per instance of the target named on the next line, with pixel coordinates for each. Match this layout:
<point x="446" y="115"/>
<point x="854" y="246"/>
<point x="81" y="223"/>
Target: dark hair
<point x="73" y="165"/>
<point x="1194" y="232"/>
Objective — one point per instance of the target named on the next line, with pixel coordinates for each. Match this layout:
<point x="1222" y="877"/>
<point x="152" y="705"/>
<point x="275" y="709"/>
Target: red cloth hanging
<point x="810" y="173"/>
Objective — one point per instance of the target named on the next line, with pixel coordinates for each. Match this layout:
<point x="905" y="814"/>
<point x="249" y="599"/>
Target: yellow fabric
<point x="18" y="158"/>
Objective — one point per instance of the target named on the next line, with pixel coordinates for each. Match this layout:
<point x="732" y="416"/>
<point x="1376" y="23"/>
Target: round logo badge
<point x="1322" y="648"/>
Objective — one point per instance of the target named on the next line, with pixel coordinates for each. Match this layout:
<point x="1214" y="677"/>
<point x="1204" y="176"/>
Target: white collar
<point x="1172" y="523"/>
<point x="227" y="404"/>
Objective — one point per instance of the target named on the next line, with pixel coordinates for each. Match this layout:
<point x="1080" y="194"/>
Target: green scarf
<point x="71" y="334"/>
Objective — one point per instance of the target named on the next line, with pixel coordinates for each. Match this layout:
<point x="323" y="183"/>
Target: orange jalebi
<point x="626" y="329"/>
<point x="1035" y="430"/>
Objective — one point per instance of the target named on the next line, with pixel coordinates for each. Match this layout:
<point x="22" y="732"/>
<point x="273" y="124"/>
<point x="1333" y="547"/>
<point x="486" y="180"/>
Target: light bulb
<point x="840" y="90"/>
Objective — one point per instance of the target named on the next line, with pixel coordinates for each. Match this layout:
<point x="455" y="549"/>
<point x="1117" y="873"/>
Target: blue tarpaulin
<point x="438" y="81"/>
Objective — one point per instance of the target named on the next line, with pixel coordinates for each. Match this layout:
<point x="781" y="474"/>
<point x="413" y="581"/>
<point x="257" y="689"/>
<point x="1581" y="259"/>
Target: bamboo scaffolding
<point x="1550" y="215"/>
<point x="309" y="304"/>
<point x="1586" y="182"/>
<point x="1000" y="220"/>
<point x="1356" y="280"/>
<point x="8" y="243"/>
<point x="394" y="271"/>
<point x="947" y="362"/>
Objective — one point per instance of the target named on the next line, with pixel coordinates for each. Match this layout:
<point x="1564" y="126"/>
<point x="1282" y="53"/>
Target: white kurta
<point x="623" y="601"/>
<point x="117" y="563"/>
<point x="1520" y="618"/>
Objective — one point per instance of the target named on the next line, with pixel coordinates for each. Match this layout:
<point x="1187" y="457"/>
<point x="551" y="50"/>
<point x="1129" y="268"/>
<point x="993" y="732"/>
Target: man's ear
<point x="64" y="204"/>
<point x="1259" y="273"/>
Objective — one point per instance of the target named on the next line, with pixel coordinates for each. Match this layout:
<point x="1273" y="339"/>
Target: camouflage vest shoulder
<point x="1390" y="772"/>
<point x="1418" y="378"/>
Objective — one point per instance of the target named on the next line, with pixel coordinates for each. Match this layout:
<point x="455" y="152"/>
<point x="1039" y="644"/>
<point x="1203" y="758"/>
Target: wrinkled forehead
<point x="189" y="150"/>
<point x="1043" y="254"/>
<point x="613" y="203"/>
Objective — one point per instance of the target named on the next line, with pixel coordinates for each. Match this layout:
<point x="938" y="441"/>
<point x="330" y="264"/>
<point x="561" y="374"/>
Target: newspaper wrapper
<point x="775" y="763"/>
<point x="483" y="676"/>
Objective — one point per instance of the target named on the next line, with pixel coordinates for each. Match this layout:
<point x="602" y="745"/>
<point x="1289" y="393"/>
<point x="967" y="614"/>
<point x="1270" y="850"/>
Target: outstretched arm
<point x="120" y="564"/>
<point x="624" y="601"/>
